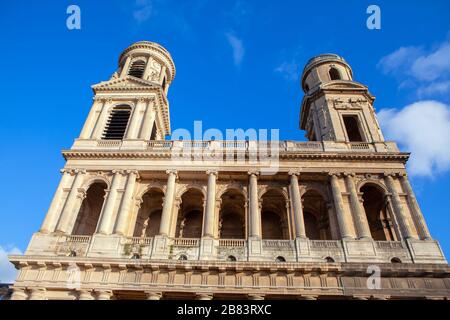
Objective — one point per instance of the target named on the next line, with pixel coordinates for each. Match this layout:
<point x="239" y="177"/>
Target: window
<point x="117" y="123"/>
<point x="153" y="134"/>
<point x="335" y="74"/>
<point x="137" y="68"/>
<point x="351" y="124"/>
<point x="306" y="88"/>
<point x="164" y="84"/>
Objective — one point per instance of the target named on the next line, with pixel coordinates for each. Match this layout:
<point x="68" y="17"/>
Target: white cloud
<point x="433" y="66"/>
<point x="422" y="128"/>
<point x="426" y="72"/>
<point x="237" y="47"/>
<point x="7" y="270"/>
<point x="289" y="70"/>
<point x="143" y="11"/>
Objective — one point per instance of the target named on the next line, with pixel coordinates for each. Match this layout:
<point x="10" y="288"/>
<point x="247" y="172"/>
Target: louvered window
<point x="117" y="123"/>
<point x="137" y="69"/>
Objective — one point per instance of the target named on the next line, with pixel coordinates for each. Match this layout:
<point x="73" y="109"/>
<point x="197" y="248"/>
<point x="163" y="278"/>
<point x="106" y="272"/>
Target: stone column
<point x="362" y="225"/>
<point x="168" y="203"/>
<point x="85" y="295"/>
<point x="68" y="209"/>
<point x="255" y="217"/>
<point x="424" y="233"/>
<point x="256" y="297"/>
<point x="208" y="226"/>
<point x="101" y="121"/>
<point x="125" y="210"/>
<point x="339" y="207"/>
<point x="51" y="219"/>
<point x="399" y="212"/>
<point x="125" y="68"/>
<point x="106" y="216"/>
<point x="148" y="122"/>
<point x="297" y="206"/>
<point x="19" y="294"/>
<point x="153" y="295"/>
<point x="91" y="119"/>
<point x="37" y="294"/>
<point x="104" y="295"/>
<point x="136" y="119"/>
<point x="204" y="296"/>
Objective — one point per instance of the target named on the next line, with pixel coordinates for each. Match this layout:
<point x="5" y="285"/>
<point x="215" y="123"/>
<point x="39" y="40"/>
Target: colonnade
<point x="115" y="217"/>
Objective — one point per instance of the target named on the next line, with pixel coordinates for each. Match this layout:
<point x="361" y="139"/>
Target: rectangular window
<point x="352" y="128"/>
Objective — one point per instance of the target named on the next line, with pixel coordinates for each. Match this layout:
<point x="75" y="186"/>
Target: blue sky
<point x="238" y="64"/>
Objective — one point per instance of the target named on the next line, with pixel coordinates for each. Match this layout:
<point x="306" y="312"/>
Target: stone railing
<point x="109" y="143"/>
<point x="232" y="242"/>
<point x="238" y="146"/>
<point x="282" y="244"/>
<point x="140" y="240"/>
<point x="78" y="239"/>
<point x="325" y="244"/>
<point x="186" y="242"/>
<point x="389" y="245"/>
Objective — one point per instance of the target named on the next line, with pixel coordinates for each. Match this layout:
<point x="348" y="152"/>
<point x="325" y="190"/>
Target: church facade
<point x="136" y="216"/>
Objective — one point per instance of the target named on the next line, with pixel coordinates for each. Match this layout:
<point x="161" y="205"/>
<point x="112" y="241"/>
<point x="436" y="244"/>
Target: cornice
<point x="286" y="155"/>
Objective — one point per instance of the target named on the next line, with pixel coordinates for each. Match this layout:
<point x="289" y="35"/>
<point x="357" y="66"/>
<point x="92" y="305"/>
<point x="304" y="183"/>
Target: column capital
<point x="212" y="172"/>
<point x="390" y="174"/>
<point x="335" y="174"/>
<point x="153" y="295"/>
<point x="117" y="172"/>
<point x="253" y="173"/>
<point x="348" y="174"/>
<point x="294" y="172"/>
<point x="203" y="296"/>
<point x="172" y="172"/>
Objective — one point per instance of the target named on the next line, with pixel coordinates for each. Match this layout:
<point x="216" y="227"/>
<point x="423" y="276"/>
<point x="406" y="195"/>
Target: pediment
<point x="125" y="83"/>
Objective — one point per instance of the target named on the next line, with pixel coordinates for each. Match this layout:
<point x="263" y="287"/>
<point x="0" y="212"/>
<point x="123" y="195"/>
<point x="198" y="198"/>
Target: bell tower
<point x="335" y="107"/>
<point x="131" y="107"/>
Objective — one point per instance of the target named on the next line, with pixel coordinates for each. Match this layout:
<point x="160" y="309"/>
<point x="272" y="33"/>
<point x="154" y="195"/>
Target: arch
<point x="182" y="257"/>
<point x="231" y="258"/>
<point x="329" y="259"/>
<point x="334" y="74"/>
<point x="148" y="219"/>
<point x="137" y="68"/>
<point x="190" y="215"/>
<point x="396" y="260"/>
<point x="96" y="179"/>
<point x="117" y="122"/>
<point x="186" y="188"/>
<point x="315" y="214"/>
<point x="151" y="187"/>
<point x="377" y="213"/>
<point x="91" y="207"/>
<point x="280" y="259"/>
<point x="377" y="184"/>
<point x="232" y="187"/>
<point x="232" y="215"/>
<point x="274" y="190"/>
<point x="274" y="217"/>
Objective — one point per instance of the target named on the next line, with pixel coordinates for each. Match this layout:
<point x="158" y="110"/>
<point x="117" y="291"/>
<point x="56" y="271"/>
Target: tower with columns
<point x="136" y="215"/>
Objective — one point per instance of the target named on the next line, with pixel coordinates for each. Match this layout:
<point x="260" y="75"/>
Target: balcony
<point x="162" y="248"/>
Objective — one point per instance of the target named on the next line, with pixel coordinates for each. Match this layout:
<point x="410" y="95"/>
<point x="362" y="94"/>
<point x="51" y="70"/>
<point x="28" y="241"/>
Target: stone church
<point x="136" y="216"/>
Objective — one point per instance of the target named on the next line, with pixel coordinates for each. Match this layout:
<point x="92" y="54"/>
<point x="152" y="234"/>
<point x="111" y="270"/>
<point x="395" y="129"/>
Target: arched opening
<point x="396" y="260"/>
<point x="280" y="259"/>
<point x="190" y="217"/>
<point x="137" y="68"/>
<point x="329" y="260"/>
<point x="274" y="220"/>
<point x="182" y="257"/>
<point x="315" y="213"/>
<point x="378" y="217"/>
<point x="117" y="123"/>
<point x="335" y="74"/>
<point x="90" y="209"/>
<point x="231" y="258"/>
<point x="149" y="216"/>
<point x="232" y="215"/>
